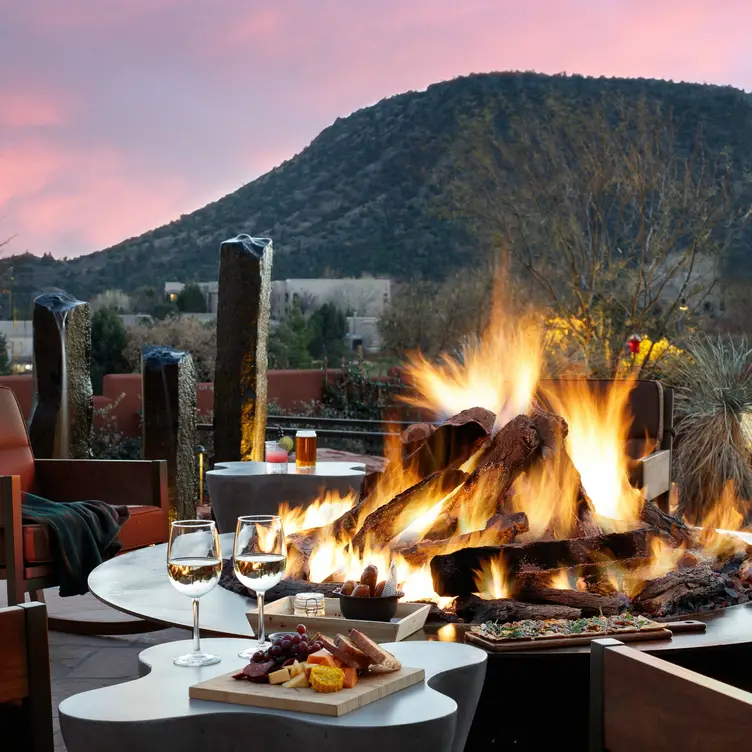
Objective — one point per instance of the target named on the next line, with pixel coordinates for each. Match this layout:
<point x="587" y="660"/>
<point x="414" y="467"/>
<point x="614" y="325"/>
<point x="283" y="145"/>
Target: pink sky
<point x="117" y="116"/>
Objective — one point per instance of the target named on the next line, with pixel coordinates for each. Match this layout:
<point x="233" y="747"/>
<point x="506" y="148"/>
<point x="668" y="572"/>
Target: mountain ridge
<point x="362" y="197"/>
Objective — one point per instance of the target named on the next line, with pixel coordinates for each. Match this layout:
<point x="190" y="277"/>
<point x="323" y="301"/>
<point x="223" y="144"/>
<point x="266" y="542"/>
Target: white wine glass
<point x="260" y="557"/>
<point x="194" y="563"/>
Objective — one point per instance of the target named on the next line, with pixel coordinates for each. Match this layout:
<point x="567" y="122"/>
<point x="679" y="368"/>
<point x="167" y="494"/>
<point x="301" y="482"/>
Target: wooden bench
<point x="640" y="702"/>
<point x="25" y="693"/>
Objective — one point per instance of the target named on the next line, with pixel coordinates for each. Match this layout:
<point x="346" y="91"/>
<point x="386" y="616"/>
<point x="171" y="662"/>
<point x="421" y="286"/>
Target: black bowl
<point x="369" y="609"/>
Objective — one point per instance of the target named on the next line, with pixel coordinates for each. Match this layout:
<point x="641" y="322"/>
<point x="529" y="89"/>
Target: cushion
<point x="145" y="527"/>
<point x="16" y="457"/>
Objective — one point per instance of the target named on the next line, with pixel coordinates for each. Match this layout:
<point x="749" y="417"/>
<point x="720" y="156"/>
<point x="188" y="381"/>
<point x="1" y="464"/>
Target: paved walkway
<point x="79" y="663"/>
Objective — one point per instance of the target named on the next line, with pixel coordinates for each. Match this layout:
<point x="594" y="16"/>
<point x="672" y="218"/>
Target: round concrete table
<point x="238" y="488"/>
<point x="154" y="713"/>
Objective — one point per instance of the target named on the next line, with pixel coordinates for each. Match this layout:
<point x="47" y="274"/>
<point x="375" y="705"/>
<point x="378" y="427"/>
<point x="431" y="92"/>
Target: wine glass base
<point x="248" y="653"/>
<point x="197" y="659"/>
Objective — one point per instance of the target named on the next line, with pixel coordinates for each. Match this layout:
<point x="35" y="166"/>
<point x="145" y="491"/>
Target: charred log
<point x="664" y="595"/>
<point x="430" y="449"/>
<point x="500" y="529"/>
<point x="475" y="610"/>
<point x="668" y="526"/>
<point x="454" y="574"/>
<point x="509" y="454"/>
<point x="591" y="604"/>
<point x="383" y="524"/>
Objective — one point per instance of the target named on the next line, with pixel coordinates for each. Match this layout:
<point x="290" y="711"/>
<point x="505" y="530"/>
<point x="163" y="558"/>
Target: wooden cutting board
<point x="370" y="688"/>
<point x="662" y="632"/>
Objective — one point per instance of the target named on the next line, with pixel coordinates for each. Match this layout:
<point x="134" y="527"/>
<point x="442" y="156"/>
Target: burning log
<point x="666" y="594"/>
<point x="477" y="610"/>
<point x="508" y="455"/>
<point x="500" y="529"/>
<point x="430" y="449"/>
<point x="668" y="526"/>
<point x="591" y="604"/>
<point x="552" y="431"/>
<point x="454" y="574"/>
<point x="383" y="524"/>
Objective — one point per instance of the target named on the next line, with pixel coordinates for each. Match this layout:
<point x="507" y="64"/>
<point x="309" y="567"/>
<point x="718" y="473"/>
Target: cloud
<point x="120" y="116"/>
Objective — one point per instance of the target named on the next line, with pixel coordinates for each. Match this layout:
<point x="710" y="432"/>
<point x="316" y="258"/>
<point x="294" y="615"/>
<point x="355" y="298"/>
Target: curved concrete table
<point x="154" y="713"/>
<point x="238" y="488"/>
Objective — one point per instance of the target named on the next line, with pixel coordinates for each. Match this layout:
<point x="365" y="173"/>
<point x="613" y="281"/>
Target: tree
<point x="108" y="343"/>
<point x="619" y="229"/>
<point x="328" y="327"/>
<point x="436" y="317"/>
<point x="5" y="365"/>
<point x="191" y="299"/>
<point x="289" y="342"/>
<point x="182" y="333"/>
<point x="116" y="300"/>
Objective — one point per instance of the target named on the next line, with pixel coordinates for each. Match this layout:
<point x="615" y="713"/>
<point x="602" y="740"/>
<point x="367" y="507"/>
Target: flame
<point x="319" y="513"/>
<point x="562" y="580"/>
<point x="724" y="516"/>
<point x="491" y="580"/>
<point x="498" y="370"/>
<point x="598" y="426"/>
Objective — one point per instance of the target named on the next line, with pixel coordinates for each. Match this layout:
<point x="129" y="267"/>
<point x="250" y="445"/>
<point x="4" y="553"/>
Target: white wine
<point x="260" y="572"/>
<point x="194" y="576"/>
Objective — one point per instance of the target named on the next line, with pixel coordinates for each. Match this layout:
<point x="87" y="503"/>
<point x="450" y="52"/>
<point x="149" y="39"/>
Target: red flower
<point x="634" y="344"/>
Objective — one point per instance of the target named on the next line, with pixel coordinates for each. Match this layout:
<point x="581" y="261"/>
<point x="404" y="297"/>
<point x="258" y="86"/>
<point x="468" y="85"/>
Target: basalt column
<point x="60" y="425"/>
<point x="240" y="383"/>
<point x="168" y="399"/>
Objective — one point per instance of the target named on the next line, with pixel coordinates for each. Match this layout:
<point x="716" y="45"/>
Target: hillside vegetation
<point x="369" y="195"/>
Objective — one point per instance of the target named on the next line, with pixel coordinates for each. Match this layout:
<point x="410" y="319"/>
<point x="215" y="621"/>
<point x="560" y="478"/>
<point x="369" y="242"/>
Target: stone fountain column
<point x="63" y="406"/>
<point x="240" y="376"/>
<point x="168" y="399"/>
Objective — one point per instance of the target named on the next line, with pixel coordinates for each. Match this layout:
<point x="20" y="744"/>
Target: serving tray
<point x="280" y="617"/>
<point x="370" y="688"/>
<point x="658" y="632"/>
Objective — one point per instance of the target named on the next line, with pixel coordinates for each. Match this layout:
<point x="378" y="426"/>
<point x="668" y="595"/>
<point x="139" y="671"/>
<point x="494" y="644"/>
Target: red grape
<point x="276" y="651"/>
<point x="303" y="649"/>
<point x="278" y="642"/>
<point x="258" y="657"/>
<point x="318" y="645"/>
<point x="286" y="645"/>
<point x="304" y="638"/>
<point x="301" y="629"/>
<point x="296" y="639"/>
<point x="293" y="650"/>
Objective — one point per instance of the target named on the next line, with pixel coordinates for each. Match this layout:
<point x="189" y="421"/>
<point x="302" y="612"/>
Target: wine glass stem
<point x="196" y="638"/>
<point x="260" y="632"/>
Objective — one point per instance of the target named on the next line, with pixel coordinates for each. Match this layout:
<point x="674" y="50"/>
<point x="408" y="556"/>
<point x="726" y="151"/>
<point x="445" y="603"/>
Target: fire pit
<point x="493" y="521"/>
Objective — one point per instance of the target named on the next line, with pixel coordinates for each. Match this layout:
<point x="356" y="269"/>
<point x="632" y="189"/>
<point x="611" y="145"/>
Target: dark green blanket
<point x="83" y="534"/>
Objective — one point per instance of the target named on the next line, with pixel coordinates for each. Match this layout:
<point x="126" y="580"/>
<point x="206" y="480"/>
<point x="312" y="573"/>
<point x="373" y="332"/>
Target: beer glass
<point x="305" y="449"/>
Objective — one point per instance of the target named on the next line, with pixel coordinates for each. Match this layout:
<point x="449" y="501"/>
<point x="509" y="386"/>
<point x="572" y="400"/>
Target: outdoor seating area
<point x="529" y="528"/>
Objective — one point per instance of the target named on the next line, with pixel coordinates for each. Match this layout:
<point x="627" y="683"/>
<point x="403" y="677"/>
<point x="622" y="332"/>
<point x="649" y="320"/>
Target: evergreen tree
<point x="5" y="369"/>
<point x="191" y="299"/>
<point x="289" y="342"/>
<point x="328" y="327"/>
<point x="108" y="340"/>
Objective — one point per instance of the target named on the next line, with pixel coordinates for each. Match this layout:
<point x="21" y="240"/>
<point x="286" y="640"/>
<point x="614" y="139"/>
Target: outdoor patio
<point x="79" y="663"/>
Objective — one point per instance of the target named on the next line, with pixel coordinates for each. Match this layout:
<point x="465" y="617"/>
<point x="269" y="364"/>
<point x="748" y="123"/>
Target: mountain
<point x="363" y="196"/>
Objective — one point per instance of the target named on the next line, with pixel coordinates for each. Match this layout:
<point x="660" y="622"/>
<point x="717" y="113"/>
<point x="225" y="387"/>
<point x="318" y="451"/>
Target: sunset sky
<point x="117" y="116"/>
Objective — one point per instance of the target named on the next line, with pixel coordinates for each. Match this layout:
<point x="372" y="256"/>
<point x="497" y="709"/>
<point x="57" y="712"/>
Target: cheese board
<point x="647" y="631"/>
<point x="371" y="687"/>
<point x="279" y="616"/>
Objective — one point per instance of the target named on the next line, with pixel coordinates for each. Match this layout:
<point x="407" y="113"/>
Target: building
<point x="19" y="342"/>
<point x="210" y="290"/>
<point x="366" y="296"/>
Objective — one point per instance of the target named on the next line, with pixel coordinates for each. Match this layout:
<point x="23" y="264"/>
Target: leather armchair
<point x="25" y="555"/>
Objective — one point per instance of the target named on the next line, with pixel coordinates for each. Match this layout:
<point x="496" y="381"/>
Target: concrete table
<point x="154" y="713"/>
<point x="238" y="488"/>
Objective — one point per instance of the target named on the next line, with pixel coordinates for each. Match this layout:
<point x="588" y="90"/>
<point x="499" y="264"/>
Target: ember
<point x="519" y="503"/>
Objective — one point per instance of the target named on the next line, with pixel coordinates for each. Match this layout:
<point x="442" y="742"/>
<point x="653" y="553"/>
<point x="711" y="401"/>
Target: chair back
<point x="16" y="457"/>
<point x="640" y="702"/>
<point x="25" y="688"/>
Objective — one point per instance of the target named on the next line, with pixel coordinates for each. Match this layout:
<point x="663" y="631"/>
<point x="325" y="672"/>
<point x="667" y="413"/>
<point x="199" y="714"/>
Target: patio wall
<point x="289" y="389"/>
